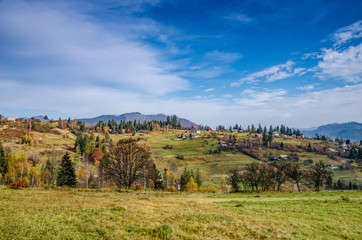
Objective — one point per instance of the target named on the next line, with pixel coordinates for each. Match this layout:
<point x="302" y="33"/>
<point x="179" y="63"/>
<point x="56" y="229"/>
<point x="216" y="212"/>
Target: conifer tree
<point x="66" y="174"/>
<point x="198" y="178"/>
<point x="3" y="166"/>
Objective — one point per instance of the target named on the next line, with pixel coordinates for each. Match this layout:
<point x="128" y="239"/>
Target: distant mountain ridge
<point x="350" y="130"/>
<point x="139" y="117"/>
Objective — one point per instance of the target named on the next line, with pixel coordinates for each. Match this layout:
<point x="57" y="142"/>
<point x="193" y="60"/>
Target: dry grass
<point x="72" y="214"/>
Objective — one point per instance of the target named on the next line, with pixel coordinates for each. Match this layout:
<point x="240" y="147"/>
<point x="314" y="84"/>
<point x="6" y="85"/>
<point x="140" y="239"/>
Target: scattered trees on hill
<point x="262" y="176"/>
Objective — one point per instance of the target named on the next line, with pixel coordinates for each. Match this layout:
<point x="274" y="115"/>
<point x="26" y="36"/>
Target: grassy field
<point x="73" y="214"/>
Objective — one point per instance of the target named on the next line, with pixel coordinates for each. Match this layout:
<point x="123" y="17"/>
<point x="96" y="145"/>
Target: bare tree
<point x="318" y="175"/>
<point x="125" y="162"/>
<point x="296" y="173"/>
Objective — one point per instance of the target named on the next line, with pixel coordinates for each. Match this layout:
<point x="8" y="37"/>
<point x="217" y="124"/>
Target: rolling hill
<point x="350" y="130"/>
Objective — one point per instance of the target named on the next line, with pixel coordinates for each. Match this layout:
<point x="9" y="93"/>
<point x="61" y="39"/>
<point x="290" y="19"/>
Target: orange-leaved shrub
<point x="18" y="185"/>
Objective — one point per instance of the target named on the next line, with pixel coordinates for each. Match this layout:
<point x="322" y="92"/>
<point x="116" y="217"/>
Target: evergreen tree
<point x="198" y="178"/>
<point x="340" y="184"/>
<point x="185" y="178"/>
<point x="353" y="153"/>
<point x="309" y="148"/>
<point x="329" y="182"/>
<point x="281" y="146"/>
<point x="265" y="139"/>
<point x="66" y="174"/>
<point x="3" y="166"/>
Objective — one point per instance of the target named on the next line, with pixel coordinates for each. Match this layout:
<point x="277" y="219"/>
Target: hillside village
<point x="209" y="156"/>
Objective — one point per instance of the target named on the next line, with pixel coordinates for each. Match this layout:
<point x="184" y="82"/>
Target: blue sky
<point x="214" y="62"/>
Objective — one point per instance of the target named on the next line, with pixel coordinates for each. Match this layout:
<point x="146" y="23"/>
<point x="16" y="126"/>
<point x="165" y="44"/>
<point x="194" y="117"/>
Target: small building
<point x="273" y="158"/>
<point x="194" y="135"/>
<point x="342" y="144"/>
<point x="283" y="156"/>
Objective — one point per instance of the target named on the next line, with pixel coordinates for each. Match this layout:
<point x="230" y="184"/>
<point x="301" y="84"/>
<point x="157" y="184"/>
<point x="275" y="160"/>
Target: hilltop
<point x="135" y="116"/>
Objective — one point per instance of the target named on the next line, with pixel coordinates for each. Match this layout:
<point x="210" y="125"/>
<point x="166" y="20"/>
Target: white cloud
<point x="271" y="74"/>
<point x="57" y="46"/>
<point x="306" y="88"/>
<point x="267" y="106"/>
<point x="345" y="64"/>
<point x="348" y="33"/>
<point x="209" y="90"/>
<point x="253" y="97"/>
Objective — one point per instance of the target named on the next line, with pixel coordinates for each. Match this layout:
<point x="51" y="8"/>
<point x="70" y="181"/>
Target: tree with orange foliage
<point x="97" y="155"/>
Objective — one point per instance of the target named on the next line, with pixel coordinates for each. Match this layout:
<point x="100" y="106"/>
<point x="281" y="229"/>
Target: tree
<point x="198" y="178"/>
<point x="11" y="164"/>
<point x="66" y="174"/>
<point x="23" y="165"/>
<point x="191" y="186"/>
<point x="223" y="184"/>
<point x="294" y="172"/>
<point x="46" y="177"/>
<point x="97" y="155"/>
<point x="234" y="179"/>
<point x="34" y="176"/>
<point x="318" y="174"/>
<point x="309" y="148"/>
<point x="125" y="162"/>
<point x="185" y="178"/>
<point x="3" y="165"/>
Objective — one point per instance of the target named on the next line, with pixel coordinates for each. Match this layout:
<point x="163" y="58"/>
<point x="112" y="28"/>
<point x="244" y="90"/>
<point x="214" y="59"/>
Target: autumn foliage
<point x="18" y="185"/>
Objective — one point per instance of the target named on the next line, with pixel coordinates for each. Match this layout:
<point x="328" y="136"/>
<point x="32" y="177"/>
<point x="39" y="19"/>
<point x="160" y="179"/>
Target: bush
<point x="168" y="146"/>
<point x="137" y="187"/>
<point x="171" y="189"/>
<point x="163" y="232"/>
<point x="308" y="162"/>
<point x="18" y="185"/>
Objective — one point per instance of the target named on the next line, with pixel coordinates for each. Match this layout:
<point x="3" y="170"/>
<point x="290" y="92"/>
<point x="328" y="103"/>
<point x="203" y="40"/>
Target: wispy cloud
<point x="227" y="57"/>
<point x="348" y="33"/>
<point x="306" y="87"/>
<point x="271" y="74"/>
<point x="241" y="18"/>
<point x="209" y="90"/>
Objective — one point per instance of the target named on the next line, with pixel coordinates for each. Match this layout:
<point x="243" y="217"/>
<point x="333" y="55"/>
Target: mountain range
<point x="350" y="130"/>
<point x="139" y="117"/>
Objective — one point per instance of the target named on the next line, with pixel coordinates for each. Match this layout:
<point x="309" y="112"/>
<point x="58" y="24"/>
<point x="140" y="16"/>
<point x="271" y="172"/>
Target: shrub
<point x="18" y="185"/>
<point x="308" y="162"/>
<point x="163" y="232"/>
<point x="168" y="146"/>
<point x="171" y="189"/>
<point x="137" y="187"/>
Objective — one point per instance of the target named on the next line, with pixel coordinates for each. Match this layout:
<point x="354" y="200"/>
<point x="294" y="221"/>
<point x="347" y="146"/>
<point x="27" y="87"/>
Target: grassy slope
<point x="212" y="166"/>
<point x="39" y="214"/>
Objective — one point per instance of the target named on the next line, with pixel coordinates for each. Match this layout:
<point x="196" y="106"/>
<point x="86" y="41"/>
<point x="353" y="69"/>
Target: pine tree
<point x="3" y="166"/>
<point x="309" y="148"/>
<point x="198" y="178"/>
<point x="66" y="174"/>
